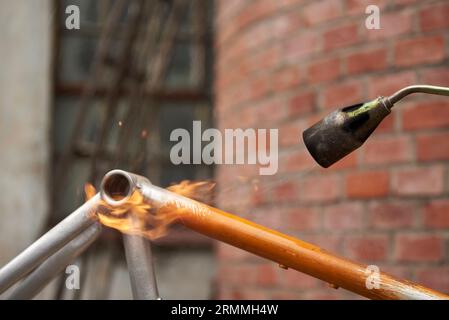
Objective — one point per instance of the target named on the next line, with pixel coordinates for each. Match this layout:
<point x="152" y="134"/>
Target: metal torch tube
<point x="420" y="88"/>
<point x="282" y="249"/>
<point x="50" y="268"/>
<point x="48" y="244"/>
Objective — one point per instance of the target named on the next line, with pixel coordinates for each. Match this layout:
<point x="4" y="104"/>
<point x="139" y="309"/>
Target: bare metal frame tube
<point x="48" y="244"/>
<point x="275" y="246"/>
<point x="50" y="268"/>
<point x="139" y="259"/>
<point x="137" y="249"/>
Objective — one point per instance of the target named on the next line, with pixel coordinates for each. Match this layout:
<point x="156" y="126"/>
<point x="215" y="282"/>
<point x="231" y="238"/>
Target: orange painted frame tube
<point x="264" y="242"/>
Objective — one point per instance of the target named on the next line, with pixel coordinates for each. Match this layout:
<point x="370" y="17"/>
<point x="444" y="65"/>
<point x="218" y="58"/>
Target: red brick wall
<point x="284" y="64"/>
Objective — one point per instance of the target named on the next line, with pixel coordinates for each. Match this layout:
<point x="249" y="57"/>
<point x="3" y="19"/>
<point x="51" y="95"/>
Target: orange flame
<point x="137" y="217"/>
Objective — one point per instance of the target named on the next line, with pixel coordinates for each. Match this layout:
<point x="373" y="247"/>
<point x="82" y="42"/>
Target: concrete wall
<point x="25" y="52"/>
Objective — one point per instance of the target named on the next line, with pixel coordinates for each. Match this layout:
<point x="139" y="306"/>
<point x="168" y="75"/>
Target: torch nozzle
<point x="344" y="130"/>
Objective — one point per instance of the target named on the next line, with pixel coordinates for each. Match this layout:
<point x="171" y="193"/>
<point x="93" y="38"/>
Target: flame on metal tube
<point x="136" y="216"/>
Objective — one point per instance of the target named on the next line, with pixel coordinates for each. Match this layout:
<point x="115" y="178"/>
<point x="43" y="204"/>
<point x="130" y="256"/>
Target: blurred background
<point x="75" y="103"/>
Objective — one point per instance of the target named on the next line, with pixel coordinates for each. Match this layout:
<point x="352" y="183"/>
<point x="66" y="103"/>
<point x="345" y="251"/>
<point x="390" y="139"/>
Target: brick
<point x="434" y="146"/>
<point x="349" y="161"/>
<point x="270" y="112"/>
<point x="297" y="280"/>
<point x="301" y="103"/>
<point x="341" y="37"/>
<point x="366" y="247"/>
<point x="324" y="294"/>
<point x="286" y="295"/>
<point x="344" y="216"/>
<point x="434" y="17"/>
<point x="259" y="35"/>
<point x="324" y="70"/>
<point x="267" y="59"/>
<point x="387" y="124"/>
<point x="259" y="196"/>
<point x="303" y="219"/>
<point x="321" y="11"/>
<point x="286" y="191"/>
<point x="286" y="78"/>
<point x="419" y="248"/>
<point x="391" y="215"/>
<point x="270" y="217"/>
<point x="419" y="181"/>
<point x="426" y="114"/>
<point x="419" y="50"/>
<point x="436" y="214"/>
<point x="366" y="61"/>
<point x="436" y="278"/>
<point x="342" y="95"/>
<point x="237" y="274"/>
<point x="359" y="6"/>
<point x="283" y="4"/>
<point x="287" y="23"/>
<point x="368" y="184"/>
<point x="301" y="46"/>
<point x="291" y="133"/>
<point x="387" y="85"/>
<point x="229" y="253"/>
<point x="298" y="161"/>
<point x="259" y="87"/>
<point x="266" y="275"/>
<point x="404" y="2"/>
<point x="327" y="241"/>
<point x="387" y="150"/>
<point x="255" y="11"/>
<point x="392" y="25"/>
<point x="436" y="76"/>
<point x="251" y="294"/>
<point x="320" y="188"/>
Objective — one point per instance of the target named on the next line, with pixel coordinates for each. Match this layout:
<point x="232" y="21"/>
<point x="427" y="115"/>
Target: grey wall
<point x="25" y="52"/>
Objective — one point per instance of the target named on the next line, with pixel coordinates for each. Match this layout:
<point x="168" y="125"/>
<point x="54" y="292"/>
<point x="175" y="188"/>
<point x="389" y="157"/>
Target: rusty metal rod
<point x="50" y="268"/>
<point x="48" y="244"/>
<point x="118" y="186"/>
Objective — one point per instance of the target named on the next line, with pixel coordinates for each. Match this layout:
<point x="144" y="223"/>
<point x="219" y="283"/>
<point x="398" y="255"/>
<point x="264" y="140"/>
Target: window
<point x="137" y="108"/>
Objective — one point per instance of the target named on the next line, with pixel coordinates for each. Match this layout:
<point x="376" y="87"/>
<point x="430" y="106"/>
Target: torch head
<point x="344" y="130"/>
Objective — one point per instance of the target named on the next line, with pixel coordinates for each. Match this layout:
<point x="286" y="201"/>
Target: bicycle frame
<point x="54" y="250"/>
<point x="288" y="252"/>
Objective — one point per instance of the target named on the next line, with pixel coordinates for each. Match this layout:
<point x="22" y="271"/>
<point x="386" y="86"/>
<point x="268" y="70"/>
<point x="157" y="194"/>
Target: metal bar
<point x="442" y="91"/>
<point x="280" y="248"/>
<point x="50" y="268"/>
<point x="140" y="267"/>
<point x="48" y="244"/>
